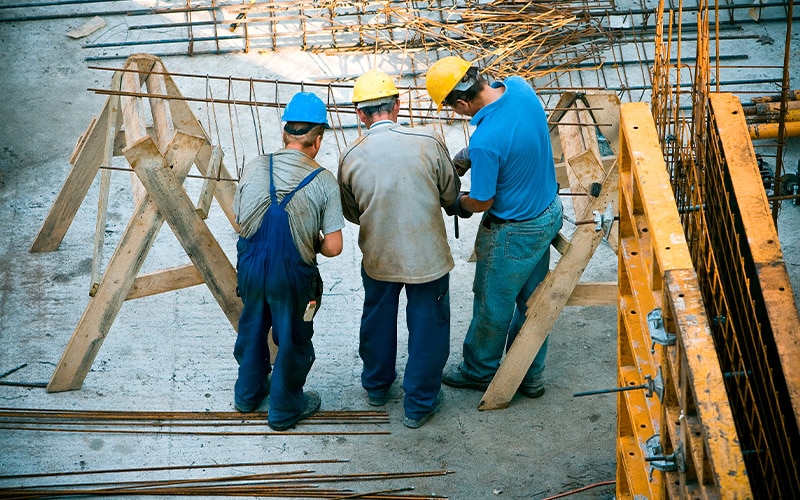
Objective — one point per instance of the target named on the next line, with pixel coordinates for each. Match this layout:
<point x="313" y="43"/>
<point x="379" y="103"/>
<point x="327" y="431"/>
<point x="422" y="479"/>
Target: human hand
<point x="462" y="162"/>
<point x="457" y="209"/>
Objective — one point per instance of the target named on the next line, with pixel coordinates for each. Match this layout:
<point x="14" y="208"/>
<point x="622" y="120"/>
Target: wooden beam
<point x="165" y="280"/>
<point x="594" y="294"/>
<point x="105" y="187"/>
<point x="210" y="182"/>
<point x="88" y="157"/>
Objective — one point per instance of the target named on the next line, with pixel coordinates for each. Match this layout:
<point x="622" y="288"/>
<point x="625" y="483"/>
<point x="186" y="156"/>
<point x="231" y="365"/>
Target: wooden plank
<point x="102" y="200"/>
<point x="162" y="122"/>
<point x="210" y="182"/>
<point x="124" y="265"/>
<point x="87" y="28"/>
<point x="77" y="184"/>
<point x="193" y="234"/>
<point x="586" y="169"/>
<point x="575" y="141"/>
<point x="594" y="294"/>
<point x="81" y="141"/>
<point x="605" y="109"/>
<point x="546" y="303"/>
<point x="133" y="117"/>
<point x="560" y="243"/>
<point x="165" y="280"/>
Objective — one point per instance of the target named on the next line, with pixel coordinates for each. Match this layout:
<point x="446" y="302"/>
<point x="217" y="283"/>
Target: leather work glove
<point x="462" y="162"/>
<point x="456" y="209"/>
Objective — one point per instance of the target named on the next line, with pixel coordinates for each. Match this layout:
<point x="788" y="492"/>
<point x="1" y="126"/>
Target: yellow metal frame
<point x="693" y="417"/>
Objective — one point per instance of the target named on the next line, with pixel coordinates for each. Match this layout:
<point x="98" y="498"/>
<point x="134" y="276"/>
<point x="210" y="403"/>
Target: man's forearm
<point x="474" y="205"/>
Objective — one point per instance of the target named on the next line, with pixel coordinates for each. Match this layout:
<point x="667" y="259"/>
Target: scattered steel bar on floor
<point x="170" y="468"/>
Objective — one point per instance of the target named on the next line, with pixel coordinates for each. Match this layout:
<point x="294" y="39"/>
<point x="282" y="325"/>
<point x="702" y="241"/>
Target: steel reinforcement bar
<point x="675" y="438"/>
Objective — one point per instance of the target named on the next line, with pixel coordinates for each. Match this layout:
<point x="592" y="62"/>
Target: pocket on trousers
<point x="521" y="245"/>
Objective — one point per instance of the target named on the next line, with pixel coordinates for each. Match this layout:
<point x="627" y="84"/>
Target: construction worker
<point x="289" y="209"/>
<point x="394" y="181"/>
<point x="513" y="182"/>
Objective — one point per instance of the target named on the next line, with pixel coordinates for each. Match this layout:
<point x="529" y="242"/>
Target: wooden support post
<point x="88" y="157"/>
<point x="133" y="115"/>
<point x="114" y="123"/>
<point x="546" y="303"/>
<point x="210" y="182"/>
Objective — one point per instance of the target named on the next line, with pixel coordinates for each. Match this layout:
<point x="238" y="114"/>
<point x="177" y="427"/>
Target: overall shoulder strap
<point x="286" y="199"/>
<point x="273" y="196"/>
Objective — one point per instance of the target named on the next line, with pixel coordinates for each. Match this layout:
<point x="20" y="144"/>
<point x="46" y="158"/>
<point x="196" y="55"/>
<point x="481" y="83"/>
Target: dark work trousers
<point x="276" y="285"/>
<point x="428" y="321"/>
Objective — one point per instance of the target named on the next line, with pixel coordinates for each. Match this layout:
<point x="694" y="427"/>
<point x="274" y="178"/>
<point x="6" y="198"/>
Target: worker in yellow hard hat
<point x="513" y="182"/>
<point x="288" y="209"/>
<point x="394" y="181"/>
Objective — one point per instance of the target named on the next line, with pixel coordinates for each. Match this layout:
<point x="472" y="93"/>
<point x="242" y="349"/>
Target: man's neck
<point x="488" y="95"/>
<point x="309" y="151"/>
<point x="382" y="117"/>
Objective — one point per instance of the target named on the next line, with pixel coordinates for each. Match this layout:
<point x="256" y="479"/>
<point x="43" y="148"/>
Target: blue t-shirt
<point x="512" y="159"/>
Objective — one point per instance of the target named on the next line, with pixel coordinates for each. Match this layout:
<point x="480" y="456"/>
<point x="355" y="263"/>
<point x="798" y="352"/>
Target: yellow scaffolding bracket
<point x="675" y="438"/>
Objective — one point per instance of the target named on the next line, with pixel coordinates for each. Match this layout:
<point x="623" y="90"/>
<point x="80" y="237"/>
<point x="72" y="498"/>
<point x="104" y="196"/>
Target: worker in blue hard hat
<point x="289" y="210"/>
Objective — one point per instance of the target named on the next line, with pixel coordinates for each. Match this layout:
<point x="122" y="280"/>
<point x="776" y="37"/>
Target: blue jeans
<point x="428" y="321"/>
<point x="512" y="259"/>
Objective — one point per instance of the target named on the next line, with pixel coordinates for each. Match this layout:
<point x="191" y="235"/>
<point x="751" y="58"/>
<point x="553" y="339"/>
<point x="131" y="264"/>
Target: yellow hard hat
<point x="443" y="76"/>
<point x="373" y="85"/>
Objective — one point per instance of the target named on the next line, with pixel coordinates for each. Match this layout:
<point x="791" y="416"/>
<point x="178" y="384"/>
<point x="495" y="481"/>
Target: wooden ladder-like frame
<point x="161" y="158"/>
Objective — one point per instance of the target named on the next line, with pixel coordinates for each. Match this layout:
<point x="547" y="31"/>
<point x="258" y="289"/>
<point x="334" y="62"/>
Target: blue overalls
<point x="275" y="285"/>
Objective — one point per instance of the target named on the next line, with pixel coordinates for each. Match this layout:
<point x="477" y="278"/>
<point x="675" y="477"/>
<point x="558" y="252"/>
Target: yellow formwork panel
<point x="689" y="419"/>
<point x="747" y="295"/>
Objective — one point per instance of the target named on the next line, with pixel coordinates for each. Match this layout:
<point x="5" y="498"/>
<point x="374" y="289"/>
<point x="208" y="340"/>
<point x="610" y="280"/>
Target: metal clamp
<point x="604" y="221"/>
<point x="650" y="385"/>
<point x="658" y="333"/>
<point x="654" y="455"/>
<point x="654" y="385"/>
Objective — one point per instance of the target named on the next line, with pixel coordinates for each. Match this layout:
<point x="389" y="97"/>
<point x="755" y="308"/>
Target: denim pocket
<point x="521" y="245"/>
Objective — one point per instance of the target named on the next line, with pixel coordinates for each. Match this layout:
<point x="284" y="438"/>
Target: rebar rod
<point x="50" y="4"/>
<point x="170" y="468"/>
<point x="172" y="415"/>
<point x="197" y="433"/>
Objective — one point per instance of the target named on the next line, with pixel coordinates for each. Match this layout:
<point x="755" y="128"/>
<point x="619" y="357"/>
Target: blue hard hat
<point x="306" y="107"/>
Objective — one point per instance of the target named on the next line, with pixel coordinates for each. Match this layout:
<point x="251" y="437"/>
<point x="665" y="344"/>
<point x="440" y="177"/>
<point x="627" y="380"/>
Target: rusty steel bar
<point x="169" y="468"/>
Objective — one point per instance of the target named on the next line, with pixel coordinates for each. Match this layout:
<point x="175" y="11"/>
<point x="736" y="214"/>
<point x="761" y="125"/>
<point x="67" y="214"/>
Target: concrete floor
<point x="173" y="352"/>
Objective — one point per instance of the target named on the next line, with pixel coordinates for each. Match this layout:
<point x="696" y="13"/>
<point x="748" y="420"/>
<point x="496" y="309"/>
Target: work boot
<point x="378" y="398"/>
<point x="313" y="402"/>
<point x="243" y="407"/>
<point x="454" y="377"/>
<point x="417" y="423"/>
<point x="532" y="392"/>
<point x="533" y="389"/>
